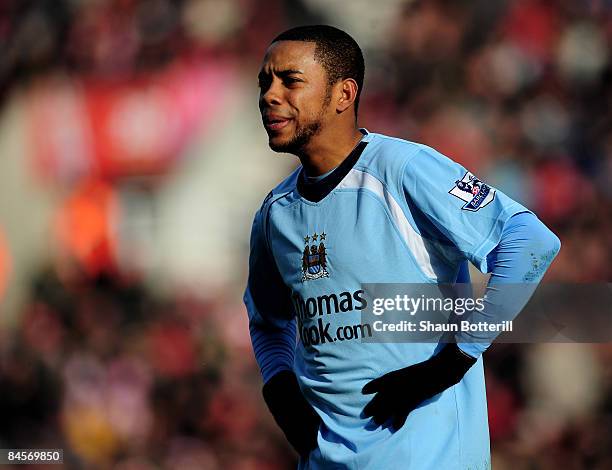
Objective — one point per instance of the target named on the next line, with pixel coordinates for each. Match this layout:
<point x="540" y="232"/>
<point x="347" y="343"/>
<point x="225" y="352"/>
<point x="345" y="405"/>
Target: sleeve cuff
<point x="474" y="350"/>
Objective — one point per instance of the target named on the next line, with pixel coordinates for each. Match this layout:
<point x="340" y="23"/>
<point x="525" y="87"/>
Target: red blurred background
<point x="132" y="160"/>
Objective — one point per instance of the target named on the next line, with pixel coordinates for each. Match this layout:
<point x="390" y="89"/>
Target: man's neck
<point x="327" y="153"/>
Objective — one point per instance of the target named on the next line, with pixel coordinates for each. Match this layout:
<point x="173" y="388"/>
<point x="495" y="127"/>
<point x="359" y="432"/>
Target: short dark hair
<point x="335" y="50"/>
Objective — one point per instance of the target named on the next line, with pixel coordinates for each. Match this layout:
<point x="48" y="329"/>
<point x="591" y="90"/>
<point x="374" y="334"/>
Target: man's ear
<point x="348" y="92"/>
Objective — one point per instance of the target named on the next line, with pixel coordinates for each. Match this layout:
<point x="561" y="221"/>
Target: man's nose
<point x="271" y="96"/>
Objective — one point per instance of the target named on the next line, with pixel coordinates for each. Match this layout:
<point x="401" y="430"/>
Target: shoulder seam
<point x="266" y="208"/>
<point x="399" y="140"/>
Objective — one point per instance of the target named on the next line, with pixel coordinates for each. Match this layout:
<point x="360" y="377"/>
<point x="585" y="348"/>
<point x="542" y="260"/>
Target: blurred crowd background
<point x="132" y="159"/>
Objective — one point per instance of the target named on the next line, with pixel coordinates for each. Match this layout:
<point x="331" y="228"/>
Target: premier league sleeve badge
<point x="473" y="192"/>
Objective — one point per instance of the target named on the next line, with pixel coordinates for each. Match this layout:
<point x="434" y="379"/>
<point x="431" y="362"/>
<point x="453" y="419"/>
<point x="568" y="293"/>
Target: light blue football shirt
<point x="393" y="212"/>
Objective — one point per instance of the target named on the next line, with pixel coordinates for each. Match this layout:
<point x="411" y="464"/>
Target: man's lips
<point x="275" y="123"/>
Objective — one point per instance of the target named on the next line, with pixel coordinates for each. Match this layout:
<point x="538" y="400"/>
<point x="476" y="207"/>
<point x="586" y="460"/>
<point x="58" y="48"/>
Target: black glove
<point x="294" y="415"/>
<point x="401" y="391"/>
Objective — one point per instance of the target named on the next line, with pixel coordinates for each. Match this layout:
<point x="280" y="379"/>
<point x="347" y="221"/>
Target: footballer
<point x="368" y="208"/>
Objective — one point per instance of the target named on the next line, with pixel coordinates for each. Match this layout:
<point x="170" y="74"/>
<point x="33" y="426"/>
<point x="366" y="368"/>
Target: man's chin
<point x="293" y="143"/>
<point x="281" y="146"/>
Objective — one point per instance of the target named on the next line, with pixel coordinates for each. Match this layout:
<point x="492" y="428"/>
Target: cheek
<point x="297" y="100"/>
<point x="310" y="109"/>
<point x="305" y="101"/>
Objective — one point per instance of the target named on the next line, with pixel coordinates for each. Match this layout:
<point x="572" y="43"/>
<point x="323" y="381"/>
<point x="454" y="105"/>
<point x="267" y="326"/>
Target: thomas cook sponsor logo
<point x="474" y="192"/>
<point x="314" y="257"/>
<point x="312" y="313"/>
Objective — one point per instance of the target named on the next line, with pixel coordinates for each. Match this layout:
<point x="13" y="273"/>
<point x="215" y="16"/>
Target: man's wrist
<point x="282" y="382"/>
<point x="466" y="354"/>
<point x="453" y="361"/>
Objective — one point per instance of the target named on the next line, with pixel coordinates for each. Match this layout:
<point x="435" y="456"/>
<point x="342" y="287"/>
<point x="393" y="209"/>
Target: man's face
<point x="294" y="95"/>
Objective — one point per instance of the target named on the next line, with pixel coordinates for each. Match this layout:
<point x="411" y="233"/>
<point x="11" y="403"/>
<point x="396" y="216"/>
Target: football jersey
<point x="392" y="212"/>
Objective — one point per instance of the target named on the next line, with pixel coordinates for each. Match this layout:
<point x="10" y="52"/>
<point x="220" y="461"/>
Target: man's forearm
<point x="274" y="349"/>
<point x="518" y="263"/>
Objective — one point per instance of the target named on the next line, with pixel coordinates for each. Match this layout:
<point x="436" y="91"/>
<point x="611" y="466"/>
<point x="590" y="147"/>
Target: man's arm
<point x="274" y="349"/>
<point x="495" y="233"/>
<point x="524" y="238"/>
<point x="517" y="265"/>
<point x="272" y="327"/>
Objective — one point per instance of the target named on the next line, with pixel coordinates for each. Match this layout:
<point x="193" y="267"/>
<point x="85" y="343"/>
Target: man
<point x="367" y="208"/>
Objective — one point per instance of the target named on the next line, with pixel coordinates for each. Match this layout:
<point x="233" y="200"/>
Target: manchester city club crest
<point x="314" y="257"/>
<point x="474" y="192"/>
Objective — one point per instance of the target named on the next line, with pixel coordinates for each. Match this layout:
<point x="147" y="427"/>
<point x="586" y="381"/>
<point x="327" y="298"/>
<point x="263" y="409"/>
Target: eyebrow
<point x="280" y="73"/>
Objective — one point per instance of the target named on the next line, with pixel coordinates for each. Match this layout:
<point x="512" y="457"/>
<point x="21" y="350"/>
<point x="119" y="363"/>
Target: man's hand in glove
<point x="401" y="391"/>
<point x="293" y="414"/>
